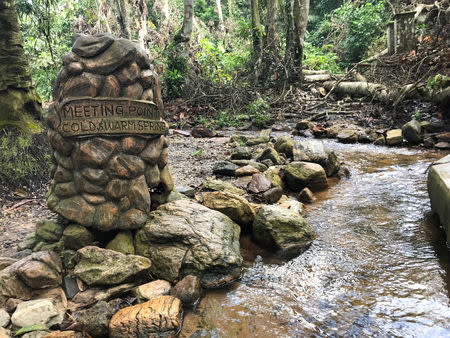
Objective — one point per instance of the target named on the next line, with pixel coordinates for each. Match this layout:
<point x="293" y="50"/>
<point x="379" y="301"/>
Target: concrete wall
<point x="439" y="191"/>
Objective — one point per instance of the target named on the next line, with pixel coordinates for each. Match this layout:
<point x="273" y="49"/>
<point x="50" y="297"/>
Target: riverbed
<point x="380" y="266"/>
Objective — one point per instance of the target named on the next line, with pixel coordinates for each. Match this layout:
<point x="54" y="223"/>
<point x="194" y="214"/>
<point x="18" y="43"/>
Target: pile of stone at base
<point x="114" y="290"/>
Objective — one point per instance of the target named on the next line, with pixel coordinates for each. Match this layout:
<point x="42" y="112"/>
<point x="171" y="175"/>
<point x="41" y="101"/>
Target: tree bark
<point x="19" y="102"/>
<point x="300" y="14"/>
<point x="220" y="14"/>
<point x="271" y="50"/>
<point x="124" y="20"/>
<point x="143" y="13"/>
<point x="386" y="94"/>
<point x="256" y="30"/>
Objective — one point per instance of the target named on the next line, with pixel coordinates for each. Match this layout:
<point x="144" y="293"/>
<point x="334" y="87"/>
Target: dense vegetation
<point x="232" y="63"/>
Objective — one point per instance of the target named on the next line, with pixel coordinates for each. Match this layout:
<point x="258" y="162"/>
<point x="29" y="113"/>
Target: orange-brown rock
<point x="133" y="145"/>
<point x="160" y="317"/>
<point x="64" y="334"/>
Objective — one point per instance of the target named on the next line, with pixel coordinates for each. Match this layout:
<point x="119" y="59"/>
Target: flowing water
<point x="380" y="266"/>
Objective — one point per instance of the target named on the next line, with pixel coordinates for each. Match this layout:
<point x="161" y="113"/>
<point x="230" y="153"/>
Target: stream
<point x="380" y="266"/>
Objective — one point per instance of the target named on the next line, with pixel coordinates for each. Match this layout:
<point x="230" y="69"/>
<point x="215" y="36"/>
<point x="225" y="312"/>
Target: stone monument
<point x="108" y="137"/>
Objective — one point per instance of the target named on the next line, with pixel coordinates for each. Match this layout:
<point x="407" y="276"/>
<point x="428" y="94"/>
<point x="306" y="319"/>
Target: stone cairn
<point x="108" y="138"/>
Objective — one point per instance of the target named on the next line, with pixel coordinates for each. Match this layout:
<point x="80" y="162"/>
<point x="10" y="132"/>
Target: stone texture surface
<point x="40" y="270"/>
<point x="281" y="230"/>
<point x="160" y="317"/>
<point x="152" y="290"/>
<point x="299" y="175"/>
<point x="285" y="145"/>
<point x="246" y="170"/>
<point x="234" y="206"/>
<point x="270" y="154"/>
<point x="259" y="183"/>
<point x="4" y="318"/>
<point x="122" y="242"/>
<point x="77" y="236"/>
<point x="183" y="238"/>
<point x="98" y="266"/>
<point x="96" y="319"/>
<point x="49" y="230"/>
<point x="188" y="290"/>
<point x="103" y="181"/>
<point x="316" y="152"/>
<point x="394" y="137"/>
<point x="412" y="131"/>
<point x="439" y="191"/>
<point x="218" y="185"/>
<point x="40" y="311"/>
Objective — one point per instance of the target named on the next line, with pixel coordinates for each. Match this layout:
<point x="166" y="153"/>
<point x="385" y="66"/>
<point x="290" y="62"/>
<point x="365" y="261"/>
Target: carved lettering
<point x="89" y="116"/>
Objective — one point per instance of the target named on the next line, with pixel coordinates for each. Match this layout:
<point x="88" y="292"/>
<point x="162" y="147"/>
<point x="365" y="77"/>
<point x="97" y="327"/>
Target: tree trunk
<point x="143" y="13"/>
<point x="101" y="9"/>
<point x="124" y="20"/>
<point x="289" y="41"/>
<point x="256" y="30"/>
<point x="230" y="8"/>
<point x="220" y="14"/>
<point x="300" y="14"/>
<point x="271" y="50"/>
<point x="184" y="35"/>
<point x="19" y="102"/>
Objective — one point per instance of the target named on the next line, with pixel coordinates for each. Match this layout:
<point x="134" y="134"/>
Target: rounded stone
<point x="163" y="158"/>
<point x="129" y="74"/>
<point x="153" y="150"/>
<point x="96" y="176"/>
<point x="122" y="242"/>
<point x="76" y="209"/>
<point x="59" y="143"/>
<point x="111" y="88"/>
<point x="94" y="152"/>
<point x="152" y="176"/>
<point x="132" y="219"/>
<point x="86" y="84"/>
<point x="127" y="166"/>
<point x="76" y="236"/>
<point x="147" y="79"/>
<point x="62" y="175"/>
<point x="106" y="216"/>
<point x="133" y="91"/>
<point x="116" y="189"/>
<point x="65" y="189"/>
<point x="75" y="68"/>
<point x="133" y="145"/>
<point x="91" y="45"/>
<point x="49" y="230"/>
<point x="139" y="195"/>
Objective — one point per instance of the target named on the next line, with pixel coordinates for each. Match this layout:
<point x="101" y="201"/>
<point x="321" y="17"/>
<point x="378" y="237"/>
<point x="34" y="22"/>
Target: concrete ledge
<point x="439" y="191"/>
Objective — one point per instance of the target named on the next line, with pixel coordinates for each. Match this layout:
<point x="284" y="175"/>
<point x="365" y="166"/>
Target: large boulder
<point x="282" y="230"/>
<point x="270" y="154"/>
<point x="97" y="266"/>
<point x="411" y="132"/>
<point x="234" y="206"/>
<point x="299" y="175"/>
<point x="160" y="317"/>
<point x="317" y="152"/>
<point x="185" y="238"/>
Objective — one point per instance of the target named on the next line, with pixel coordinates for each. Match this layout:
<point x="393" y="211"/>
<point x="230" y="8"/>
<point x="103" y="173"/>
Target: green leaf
<point x="31" y="328"/>
<point x="198" y="152"/>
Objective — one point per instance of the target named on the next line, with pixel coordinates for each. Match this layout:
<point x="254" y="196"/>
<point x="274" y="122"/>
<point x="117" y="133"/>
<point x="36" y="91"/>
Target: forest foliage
<point x="339" y="32"/>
